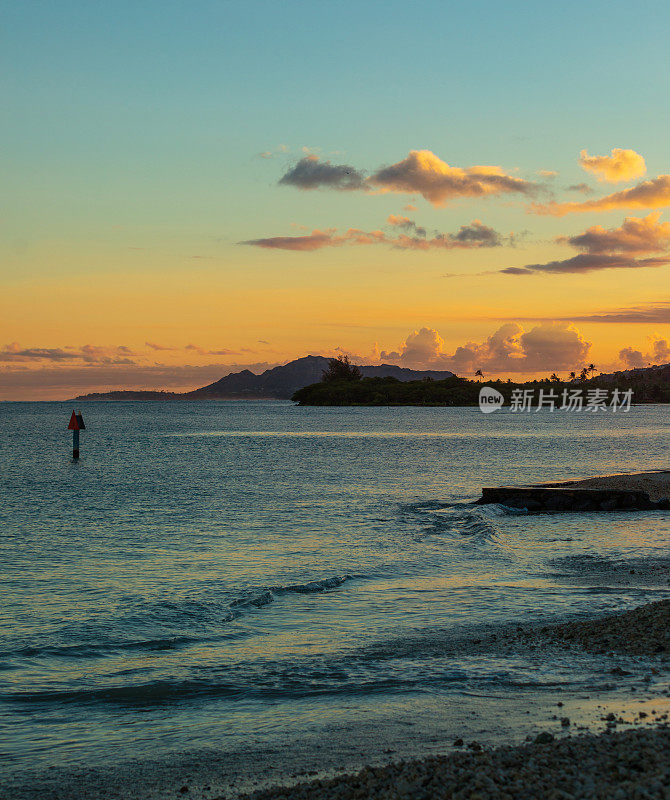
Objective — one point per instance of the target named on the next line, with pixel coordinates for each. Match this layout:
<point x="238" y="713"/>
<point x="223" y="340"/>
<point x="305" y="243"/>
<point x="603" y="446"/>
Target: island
<point x="350" y="388"/>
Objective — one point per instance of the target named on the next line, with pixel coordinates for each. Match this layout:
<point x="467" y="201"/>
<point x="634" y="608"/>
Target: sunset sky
<point x="189" y="188"/>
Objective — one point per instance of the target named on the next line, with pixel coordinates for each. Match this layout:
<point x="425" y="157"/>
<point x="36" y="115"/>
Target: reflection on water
<point x="209" y="568"/>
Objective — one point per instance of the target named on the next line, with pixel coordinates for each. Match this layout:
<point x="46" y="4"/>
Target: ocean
<point x="218" y="574"/>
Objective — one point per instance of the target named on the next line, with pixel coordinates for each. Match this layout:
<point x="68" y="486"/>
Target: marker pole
<point x="75" y="443"/>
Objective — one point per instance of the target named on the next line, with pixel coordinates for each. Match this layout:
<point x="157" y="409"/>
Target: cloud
<point x="549" y="346"/>
<point x="609" y="248"/>
<point x="476" y="231"/>
<point x="636" y="235"/>
<point x="414" y="237"/>
<point x="587" y="262"/>
<point x="159" y="347"/>
<point x="312" y="173"/>
<point x="88" y="353"/>
<point x="659" y="354"/>
<point x="406" y="224"/>
<point x="281" y="150"/>
<point x="645" y="314"/>
<point x="621" y="165"/>
<point x="422" y="172"/>
<point x="547" y="173"/>
<point x="312" y="241"/>
<point x="204" y="352"/>
<point x="584" y="188"/>
<point x="654" y="193"/>
<point x="57" y="382"/>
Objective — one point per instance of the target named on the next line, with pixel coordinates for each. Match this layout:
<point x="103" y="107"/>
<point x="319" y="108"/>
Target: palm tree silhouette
<point x="573" y="375"/>
<point x="592" y="369"/>
<point x="479" y="374"/>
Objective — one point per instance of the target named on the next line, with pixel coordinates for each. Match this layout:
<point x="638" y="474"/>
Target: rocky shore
<point x="656" y="484"/>
<point x="643" y="491"/>
<point x="642" y="631"/>
<point x="612" y="766"/>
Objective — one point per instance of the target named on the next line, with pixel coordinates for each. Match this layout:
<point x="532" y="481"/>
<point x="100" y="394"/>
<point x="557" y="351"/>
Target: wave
<point x="267" y="596"/>
<point x="464" y="519"/>
<point x="290" y="681"/>
<point x="174" y="642"/>
<point x="89" y="650"/>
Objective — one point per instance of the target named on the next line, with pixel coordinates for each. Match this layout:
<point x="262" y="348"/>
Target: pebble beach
<point x="614" y="765"/>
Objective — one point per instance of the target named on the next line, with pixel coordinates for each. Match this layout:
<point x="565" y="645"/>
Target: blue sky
<point x="132" y="131"/>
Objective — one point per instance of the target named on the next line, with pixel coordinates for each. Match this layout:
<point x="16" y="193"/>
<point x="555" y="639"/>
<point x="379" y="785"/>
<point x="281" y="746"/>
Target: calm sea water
<point x="210" y="570"/>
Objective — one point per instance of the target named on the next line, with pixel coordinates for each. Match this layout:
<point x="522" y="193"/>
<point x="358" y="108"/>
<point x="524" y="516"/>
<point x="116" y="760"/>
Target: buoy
<point x="76" y="425"/>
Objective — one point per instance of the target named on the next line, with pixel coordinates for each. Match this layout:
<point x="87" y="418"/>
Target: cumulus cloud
<point x="609" y="248"/>
<point x="510" y="349"/>
<point x="620" y="165"/>
<point x="313" y="173"/>
<point x="659" y="353"/>
<point x="422" y="172"/>
<point x="413" y="237"/>
<point x="654" y="193"/>
<point x="636" y="235"/>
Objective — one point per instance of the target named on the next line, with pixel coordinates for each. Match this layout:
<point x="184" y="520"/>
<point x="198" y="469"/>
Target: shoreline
<point x="656" y="483"/>
<point x="610" y="765"/>
<point x="630" y="691"/>
<point x="635" y="491"/>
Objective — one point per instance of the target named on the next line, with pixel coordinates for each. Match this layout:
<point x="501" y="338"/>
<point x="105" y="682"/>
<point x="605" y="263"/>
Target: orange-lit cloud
<point x="659" y="353"/>
<point x="636" y="235"/>
<point x="422" y="172"/>
<point x="549" y="346"/>
<point x="654" y="193"/>
<point x="620" y="165"/>
<point x="472" y="236"/>
<point x="613" y="248"/>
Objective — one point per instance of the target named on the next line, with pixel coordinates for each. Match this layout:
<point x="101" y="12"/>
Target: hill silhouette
<point x="278" y="383"/>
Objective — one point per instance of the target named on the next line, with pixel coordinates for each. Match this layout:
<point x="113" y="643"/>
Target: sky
<point x="194" y="188"/>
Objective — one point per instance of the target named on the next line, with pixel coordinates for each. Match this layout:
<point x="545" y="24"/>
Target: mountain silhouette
<point x="278" y="383"/>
